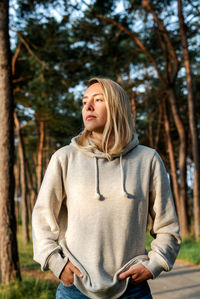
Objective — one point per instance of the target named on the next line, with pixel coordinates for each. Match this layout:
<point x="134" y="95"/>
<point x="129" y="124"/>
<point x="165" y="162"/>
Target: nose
<point x="89" y="106"/>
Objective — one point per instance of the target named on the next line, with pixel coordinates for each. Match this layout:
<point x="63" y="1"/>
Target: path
<point x="183" y="282"/>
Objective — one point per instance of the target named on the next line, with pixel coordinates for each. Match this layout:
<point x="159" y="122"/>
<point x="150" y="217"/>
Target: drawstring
<point x="124" y="192"/>
<point x="97" y="195"/>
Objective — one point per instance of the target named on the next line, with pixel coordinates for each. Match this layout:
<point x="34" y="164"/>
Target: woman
<point x="90" y="218"/>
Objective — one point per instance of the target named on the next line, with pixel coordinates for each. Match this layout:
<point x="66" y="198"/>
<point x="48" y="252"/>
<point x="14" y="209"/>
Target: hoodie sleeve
<point x="46" y="216"/>
<point x="165" y="230"/>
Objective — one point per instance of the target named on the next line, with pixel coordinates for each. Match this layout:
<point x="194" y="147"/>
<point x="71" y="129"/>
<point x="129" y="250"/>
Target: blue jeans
<point x="133" y="291"/>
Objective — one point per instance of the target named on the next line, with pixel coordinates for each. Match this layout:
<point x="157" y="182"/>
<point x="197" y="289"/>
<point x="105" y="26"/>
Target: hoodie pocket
<point x="135" y="261"/>
<point x="73" y="260"/>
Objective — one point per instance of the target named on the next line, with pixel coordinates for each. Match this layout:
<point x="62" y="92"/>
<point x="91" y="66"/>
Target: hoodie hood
<point x="95" y="153"/>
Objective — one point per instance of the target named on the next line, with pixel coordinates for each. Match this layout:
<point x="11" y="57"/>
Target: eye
<point x="84" y="103"/>
<point x="98" y="100"/>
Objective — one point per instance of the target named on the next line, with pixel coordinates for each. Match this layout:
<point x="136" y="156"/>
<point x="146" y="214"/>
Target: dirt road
<point x="183" y="282"/>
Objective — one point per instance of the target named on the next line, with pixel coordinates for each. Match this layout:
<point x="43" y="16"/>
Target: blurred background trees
<point x="150" y="47"/>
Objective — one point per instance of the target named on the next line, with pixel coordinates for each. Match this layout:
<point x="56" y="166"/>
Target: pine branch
<point x="166" y="37"/>
<point x="14" y="58"/>
<point x="29" y="50"/>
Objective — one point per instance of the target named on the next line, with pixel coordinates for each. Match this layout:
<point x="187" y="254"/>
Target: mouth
<point x="88" y="117"/>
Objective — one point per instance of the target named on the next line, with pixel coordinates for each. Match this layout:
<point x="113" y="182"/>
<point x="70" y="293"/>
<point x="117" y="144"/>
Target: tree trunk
<point x="46" y="148"/>
<point x="150" y="130"/>
<point x="32" y="192"/>
<point x="133" y="106"/>
<point x="192" y="124"/>
<point x="24" y="204"/>
<point x="40" y="154"/>
<point x="17" y="187"/>
<point x="9" y="261"/>
<point x="174" y="177"/>
<point x="158" y="126"/>
<point x="182" y="161"/>
<point x="31" y="184"/>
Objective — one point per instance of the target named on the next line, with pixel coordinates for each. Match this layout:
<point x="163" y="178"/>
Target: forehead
<point x="93" y="89"/>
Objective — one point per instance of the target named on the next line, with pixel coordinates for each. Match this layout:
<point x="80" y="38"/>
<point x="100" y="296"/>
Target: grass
<point x="26" y="253"/>
<point x="190" y="251"/>
<point x="30" y="287"/>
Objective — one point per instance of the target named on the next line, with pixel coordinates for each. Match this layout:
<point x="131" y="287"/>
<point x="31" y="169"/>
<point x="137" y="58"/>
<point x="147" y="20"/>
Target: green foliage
<point x="149" y="239"/>
<point x="26" y="253"/>
<point x="66" y="51"/>
<point x="29" y="287"/>
<point x="190" y="251"/>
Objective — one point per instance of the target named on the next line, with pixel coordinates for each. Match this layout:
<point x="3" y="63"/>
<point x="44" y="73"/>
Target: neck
<point x="99" y="136"/>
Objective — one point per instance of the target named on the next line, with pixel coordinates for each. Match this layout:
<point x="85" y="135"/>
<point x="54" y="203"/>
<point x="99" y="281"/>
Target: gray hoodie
<point x="94" y="211"/>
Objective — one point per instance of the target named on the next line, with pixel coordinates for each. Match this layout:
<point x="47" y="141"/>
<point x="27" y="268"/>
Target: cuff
<point x="57" y="263"/>
<point x="155" y="265"/>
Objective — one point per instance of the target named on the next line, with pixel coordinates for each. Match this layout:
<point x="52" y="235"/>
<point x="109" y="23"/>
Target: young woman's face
<point x="94" y="110"/>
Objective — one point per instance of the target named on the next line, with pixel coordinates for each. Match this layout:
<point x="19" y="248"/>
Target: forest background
<point x="151" y="48"/>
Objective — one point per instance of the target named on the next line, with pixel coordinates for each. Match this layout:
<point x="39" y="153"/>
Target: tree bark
<point x="133" y="106"/>
<point x="9" y="261"/>
<point x="40" y="154"/>
<point x="23" y="180"/>
<point x="150" y="129"/>
<point x="32" y="191"/>
<point x="182" y="161"/>
<point x="17" y="186"/>
<point x="158" y="126"/>
<point x="192" y="123"/>
<point x="174" y="177"/>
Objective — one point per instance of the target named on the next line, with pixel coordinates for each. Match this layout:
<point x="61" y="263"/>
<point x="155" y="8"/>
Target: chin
<point x="91" y="129"/>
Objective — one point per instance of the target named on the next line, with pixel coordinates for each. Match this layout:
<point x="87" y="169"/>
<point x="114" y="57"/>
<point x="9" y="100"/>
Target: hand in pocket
<point x="67" y="275"/>
<point x="138" y="273"/>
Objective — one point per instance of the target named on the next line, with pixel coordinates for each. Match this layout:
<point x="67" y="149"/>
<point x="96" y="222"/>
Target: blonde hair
<point x="119" y="119"/>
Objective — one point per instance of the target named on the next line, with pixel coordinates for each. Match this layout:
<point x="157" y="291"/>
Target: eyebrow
<point x="96" y="94"/>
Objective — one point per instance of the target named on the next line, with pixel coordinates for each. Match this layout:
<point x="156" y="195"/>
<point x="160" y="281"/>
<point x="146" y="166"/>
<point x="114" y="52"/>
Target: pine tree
<point x="9" y="262"/>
